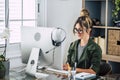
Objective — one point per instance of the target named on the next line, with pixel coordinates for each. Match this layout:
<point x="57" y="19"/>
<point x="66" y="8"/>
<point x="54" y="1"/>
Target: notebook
<point x="85" y="76"/>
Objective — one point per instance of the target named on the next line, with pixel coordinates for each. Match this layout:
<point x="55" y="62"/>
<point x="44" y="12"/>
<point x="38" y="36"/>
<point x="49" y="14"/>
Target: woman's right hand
<point x="66" y="67"/>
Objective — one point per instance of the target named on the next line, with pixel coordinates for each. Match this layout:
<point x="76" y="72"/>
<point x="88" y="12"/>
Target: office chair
<point x="105" y="69"/>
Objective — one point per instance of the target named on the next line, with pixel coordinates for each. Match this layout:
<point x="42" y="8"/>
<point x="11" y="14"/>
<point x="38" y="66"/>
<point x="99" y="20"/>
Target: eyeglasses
<point x="82" y="18"/>
<point x="78" y="30"/>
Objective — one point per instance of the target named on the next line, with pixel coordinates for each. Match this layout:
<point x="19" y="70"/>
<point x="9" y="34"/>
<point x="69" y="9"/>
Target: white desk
<point x="19" y="74"/>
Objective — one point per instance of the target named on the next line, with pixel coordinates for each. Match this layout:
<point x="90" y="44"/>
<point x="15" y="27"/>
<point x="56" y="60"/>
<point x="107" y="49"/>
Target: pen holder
<point x="73" y="72"/>
<point x="69" y="75"/>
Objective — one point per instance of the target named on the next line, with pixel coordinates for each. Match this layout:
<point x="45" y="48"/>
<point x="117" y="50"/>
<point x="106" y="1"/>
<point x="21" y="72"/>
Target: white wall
<point x="63" y="13"/>
<point x="41" y="12"/>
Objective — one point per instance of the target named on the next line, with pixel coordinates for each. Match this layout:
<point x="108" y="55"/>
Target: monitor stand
<point x="31" y="68"/>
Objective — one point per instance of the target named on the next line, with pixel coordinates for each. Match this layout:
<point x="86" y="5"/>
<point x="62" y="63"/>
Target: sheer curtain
<point x="21" y="13"/>
<point x="2" y="18"/>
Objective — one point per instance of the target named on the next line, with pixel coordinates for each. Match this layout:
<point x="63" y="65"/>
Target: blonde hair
<point x="84" y="12"/>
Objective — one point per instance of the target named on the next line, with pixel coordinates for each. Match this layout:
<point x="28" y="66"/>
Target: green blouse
<point x="90" y="57"/>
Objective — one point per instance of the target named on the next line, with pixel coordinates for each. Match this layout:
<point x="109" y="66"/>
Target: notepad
<point x="84" y="76"/>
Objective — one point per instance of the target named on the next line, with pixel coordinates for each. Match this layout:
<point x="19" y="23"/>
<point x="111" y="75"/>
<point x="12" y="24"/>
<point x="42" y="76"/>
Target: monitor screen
<point x="40" y="37"/>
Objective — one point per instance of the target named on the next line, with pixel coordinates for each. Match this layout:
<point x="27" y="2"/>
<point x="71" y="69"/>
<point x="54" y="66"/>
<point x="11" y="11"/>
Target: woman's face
<point x="80" y="32"/>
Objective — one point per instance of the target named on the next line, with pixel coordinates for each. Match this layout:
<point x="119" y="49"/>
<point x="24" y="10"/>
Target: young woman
<point x="83" y="54"/>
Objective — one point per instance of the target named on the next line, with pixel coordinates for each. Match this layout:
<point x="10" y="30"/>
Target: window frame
<point x="20" y="21"/>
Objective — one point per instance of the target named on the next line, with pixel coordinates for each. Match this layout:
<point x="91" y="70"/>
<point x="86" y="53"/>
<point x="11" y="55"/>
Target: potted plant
<point x="2" y="67"/>
<point x="4" y="62"/>
<point x="116" y="12"/>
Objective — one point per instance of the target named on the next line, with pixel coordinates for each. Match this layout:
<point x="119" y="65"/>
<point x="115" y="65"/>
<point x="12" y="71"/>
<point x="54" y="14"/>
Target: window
<point x="2" y="18"/>
<point x="21" y="13"/>
<point x="15" y="20"/>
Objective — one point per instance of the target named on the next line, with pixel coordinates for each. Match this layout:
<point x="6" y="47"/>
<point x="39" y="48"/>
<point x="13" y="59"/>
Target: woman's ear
<point x="89" y="30"/>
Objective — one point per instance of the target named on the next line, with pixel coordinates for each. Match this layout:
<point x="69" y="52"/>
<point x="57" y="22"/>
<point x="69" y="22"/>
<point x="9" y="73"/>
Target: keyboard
<point x="53" y="71"/>
<point x="56" y="71"/>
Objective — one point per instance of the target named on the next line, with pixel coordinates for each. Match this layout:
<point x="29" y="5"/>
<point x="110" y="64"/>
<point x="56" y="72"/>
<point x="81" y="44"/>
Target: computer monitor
<point x="40" y="37"/>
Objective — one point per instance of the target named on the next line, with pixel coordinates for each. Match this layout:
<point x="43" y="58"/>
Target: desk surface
<point x="111" y="77"/>
<point x="23" y="76"/>
<point x="17" y="74"/>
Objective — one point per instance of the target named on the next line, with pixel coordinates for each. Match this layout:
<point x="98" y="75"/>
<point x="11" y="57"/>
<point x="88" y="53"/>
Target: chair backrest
<point x="105" y="68"/>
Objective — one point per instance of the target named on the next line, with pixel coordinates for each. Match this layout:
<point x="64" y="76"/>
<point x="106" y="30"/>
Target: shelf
<point x="104" y="15"/>
<point x="106" y="27"/>
<point x="113" y="27"/>
<point x="99" y="27"/>
<point x="110" y="58"/>
<point x="94" y="0"/>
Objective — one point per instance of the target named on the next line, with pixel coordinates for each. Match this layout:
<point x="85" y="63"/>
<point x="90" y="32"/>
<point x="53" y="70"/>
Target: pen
<point x="74" y="71"/>
<point x="69" y="71"/>
<point x="75" y="65"/>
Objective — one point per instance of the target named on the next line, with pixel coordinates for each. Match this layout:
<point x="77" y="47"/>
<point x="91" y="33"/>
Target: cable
<point x="52" y="57"/>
